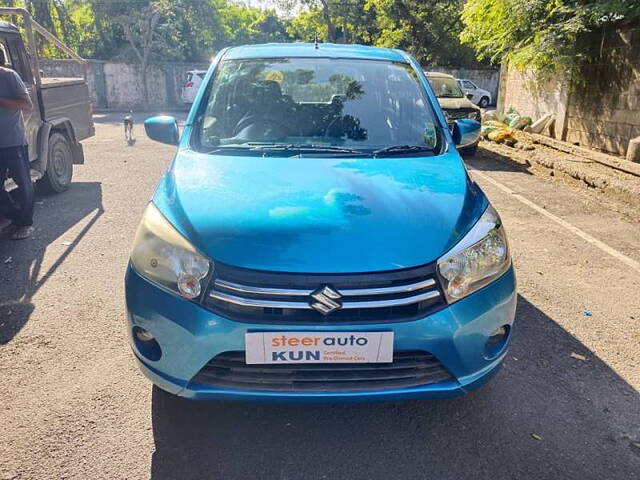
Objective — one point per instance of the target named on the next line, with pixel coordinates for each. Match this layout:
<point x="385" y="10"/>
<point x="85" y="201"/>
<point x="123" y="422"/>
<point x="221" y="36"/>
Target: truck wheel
<point x="484" y="101"/>
<point x="57" y="177"/>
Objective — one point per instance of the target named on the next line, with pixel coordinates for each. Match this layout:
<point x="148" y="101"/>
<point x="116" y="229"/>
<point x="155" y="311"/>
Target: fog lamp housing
<point x="142" y="334"/>
<point x="496" y="342"/>
<point x="146" y="344"/>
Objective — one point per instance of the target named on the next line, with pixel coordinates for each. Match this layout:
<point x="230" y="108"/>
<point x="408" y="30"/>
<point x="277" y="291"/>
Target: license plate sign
<point x="316" y="347"/>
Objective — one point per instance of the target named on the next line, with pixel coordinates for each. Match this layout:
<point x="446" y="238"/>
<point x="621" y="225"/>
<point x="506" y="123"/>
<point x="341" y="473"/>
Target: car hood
<point x="456" y="103"/>
<point x="320" y="215"/>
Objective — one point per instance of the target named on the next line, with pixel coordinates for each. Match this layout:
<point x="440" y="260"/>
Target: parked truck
<point x="61" y="117"/>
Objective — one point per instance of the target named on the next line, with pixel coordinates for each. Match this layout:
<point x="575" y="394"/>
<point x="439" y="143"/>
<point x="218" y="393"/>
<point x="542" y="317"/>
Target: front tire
<point x="484" y="102"/>
<point x="57" y="177"/>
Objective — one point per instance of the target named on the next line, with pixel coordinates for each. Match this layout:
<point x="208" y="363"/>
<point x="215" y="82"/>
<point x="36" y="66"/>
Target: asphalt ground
<point x="73" y="405"/>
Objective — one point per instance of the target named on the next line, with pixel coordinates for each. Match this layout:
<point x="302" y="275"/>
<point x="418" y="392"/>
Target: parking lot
<point x="73" y="405"/>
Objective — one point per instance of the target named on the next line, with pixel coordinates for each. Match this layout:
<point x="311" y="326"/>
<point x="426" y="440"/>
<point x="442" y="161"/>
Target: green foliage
<point x="194" y="30"/>
<point x="307" y="25"/>
<point x="429" y="30"/>
<point x="245" y="25"/>
<point x="189" y="30"/>
<point x="541" y="34"/>
<point x="348" y="21"/>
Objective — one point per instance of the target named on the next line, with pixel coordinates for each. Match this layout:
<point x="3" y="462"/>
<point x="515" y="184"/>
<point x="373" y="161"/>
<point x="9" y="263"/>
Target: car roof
<point x="438" y="74"/>
<point x="7" y="27"/>
<point x="322" y="50"/>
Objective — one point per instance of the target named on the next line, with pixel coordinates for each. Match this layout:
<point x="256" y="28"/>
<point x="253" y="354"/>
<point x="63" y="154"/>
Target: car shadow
<point x="21" y="262"/>
<point x="546" y="415"/>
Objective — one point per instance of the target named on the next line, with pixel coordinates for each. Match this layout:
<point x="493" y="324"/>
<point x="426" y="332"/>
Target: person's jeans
<point x="17" y="205"/>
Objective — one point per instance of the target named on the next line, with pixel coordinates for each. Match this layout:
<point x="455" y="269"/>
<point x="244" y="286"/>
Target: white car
<point x="191" y="85"/>
<point x="477" y="95"/>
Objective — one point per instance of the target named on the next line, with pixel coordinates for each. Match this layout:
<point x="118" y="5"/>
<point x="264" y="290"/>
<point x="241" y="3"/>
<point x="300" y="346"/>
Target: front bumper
<point x="189" y="336"/>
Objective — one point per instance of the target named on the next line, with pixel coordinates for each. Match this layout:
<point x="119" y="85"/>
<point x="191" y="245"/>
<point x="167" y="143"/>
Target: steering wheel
<point x="255" y="120"/>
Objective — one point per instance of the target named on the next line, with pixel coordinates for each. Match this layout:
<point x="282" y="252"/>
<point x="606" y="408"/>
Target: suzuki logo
<point x="326" y="300"/>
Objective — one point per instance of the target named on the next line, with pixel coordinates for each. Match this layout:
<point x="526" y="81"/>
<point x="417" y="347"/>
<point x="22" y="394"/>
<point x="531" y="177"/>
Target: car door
<point x="13" y="48"/>
<point x="186" y="88"/>
<point x="471" y="89"/>
<point x="197" y="81"/>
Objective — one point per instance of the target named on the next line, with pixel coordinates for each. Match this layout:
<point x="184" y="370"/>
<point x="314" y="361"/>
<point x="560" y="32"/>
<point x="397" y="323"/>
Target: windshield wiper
<point x="306" y="147"/>
<point x="401" y="149"/>
<point x="223" y="148"/>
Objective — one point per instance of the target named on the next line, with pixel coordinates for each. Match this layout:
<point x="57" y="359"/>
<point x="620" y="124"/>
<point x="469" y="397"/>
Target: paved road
<point x="72" y="404"/>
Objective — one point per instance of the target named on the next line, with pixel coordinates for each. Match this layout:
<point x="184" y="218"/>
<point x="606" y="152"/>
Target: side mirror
<point x="163" y="129"/>
<point x="469" y="96"/>
<point x="465" y="132"/>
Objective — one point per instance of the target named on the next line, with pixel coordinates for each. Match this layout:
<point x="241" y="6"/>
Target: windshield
<point x="359" y="105"/>
<point x="445" y="87"/>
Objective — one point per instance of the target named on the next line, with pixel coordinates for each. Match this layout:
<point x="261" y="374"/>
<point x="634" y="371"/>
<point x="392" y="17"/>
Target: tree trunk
<point x="145" y="87"/>
<point x="66" y="24"/>
<point x="146" y="52"/>
<point x="331" y="31"/>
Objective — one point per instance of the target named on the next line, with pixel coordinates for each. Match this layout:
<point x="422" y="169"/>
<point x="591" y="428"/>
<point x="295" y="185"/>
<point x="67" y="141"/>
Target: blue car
<point x="317" y="238"/>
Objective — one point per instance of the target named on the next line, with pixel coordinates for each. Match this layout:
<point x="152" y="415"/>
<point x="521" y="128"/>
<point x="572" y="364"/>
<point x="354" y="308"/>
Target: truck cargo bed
<point x="68" y="98"/>
<point x="52" y="82"/>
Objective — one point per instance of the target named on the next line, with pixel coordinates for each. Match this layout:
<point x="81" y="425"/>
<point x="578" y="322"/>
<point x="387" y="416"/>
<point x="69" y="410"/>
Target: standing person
<point x="17" y="207"/>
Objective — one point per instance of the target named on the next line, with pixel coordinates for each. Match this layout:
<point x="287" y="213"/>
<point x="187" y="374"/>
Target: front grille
<point x="408" y="369"/>
<point x="458" y="113"/>
<point x="268" y="297"/>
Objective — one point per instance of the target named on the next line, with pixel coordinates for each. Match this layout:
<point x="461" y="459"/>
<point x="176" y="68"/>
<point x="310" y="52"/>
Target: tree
<point x="428" y="30"/>
<point x="198" y="30"/>
<point x="541" y="34"/>
<point x="320" y="8"/>
<point x="344" y="21"/>
<point x="307" y="25"/>
<point x="147" y="30"/>
<point x="357" y="23"/>
<point x="326" y="15"/>
<point x="245" y="25"/>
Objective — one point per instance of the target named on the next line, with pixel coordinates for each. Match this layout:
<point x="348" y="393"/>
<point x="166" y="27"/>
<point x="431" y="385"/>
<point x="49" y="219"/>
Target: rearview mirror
<point x="465" y="132"/>
<point x="163" y="129"/>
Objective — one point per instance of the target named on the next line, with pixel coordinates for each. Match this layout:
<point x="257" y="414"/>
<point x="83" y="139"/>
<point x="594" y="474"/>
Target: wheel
<point x="469" y="151"/>
<point x="484" y="102"/>
<point x="57" y="177"/>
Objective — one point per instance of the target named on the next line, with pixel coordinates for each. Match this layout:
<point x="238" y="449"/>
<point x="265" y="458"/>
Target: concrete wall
<point x="600" y="108"/>
<point x="604" y="110"/>
<point x="534" y="97"/>
<point x="487" y="79"/>
<point x="118" y="86"/>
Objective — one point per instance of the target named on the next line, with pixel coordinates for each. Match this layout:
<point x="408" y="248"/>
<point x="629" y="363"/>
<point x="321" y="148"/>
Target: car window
<point x="468" y="84"/>
<point x="19" y="59"/>
<point x="364" y="104"/>
<point x="202" y="75"/>
<point x="445" y="87"/>
<point x="5" y="51"/>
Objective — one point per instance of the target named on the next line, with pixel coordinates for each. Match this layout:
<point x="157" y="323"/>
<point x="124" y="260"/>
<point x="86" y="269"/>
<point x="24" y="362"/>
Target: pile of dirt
<point x="543" y="160"/>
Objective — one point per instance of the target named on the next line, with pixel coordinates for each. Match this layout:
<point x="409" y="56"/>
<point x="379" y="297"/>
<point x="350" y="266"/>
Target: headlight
<point x="478" y="259"/>
<point x="165" y="257"/>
